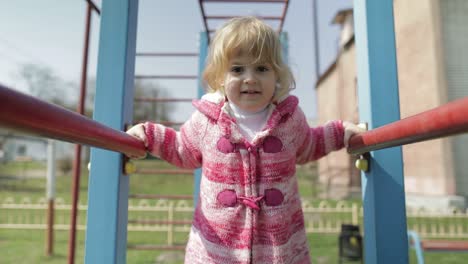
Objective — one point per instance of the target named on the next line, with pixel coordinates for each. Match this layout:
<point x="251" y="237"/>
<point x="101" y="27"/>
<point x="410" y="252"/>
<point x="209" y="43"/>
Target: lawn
<point x="28" y="246"/>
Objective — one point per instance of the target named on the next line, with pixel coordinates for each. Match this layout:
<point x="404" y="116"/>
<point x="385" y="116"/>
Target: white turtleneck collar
<point x="250" y="123"/>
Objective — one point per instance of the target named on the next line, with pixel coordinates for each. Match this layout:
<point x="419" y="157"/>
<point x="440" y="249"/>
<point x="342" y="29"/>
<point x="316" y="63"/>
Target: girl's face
<point x="249" y="86"/>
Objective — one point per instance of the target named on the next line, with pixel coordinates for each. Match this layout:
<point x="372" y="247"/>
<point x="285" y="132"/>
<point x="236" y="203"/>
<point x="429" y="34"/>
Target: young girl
<point x="247" y="135"/>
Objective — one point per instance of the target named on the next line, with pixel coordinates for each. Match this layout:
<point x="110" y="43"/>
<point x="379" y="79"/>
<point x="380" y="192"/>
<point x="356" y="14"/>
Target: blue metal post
<point x="415" y="241"/>
<point x="106" y="233"/>
<point x="285" y="45"/>
<point x="202" y="54"/>
<point x="385" y="239"/>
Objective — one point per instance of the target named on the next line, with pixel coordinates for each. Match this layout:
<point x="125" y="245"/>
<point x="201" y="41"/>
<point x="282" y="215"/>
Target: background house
<point x="431" y="41"/>
<point x="14" y="147"/>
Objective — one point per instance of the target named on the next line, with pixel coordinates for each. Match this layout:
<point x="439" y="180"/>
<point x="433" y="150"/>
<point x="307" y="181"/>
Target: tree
<point x="44" y="84"/>
<point x="155" y="111"/>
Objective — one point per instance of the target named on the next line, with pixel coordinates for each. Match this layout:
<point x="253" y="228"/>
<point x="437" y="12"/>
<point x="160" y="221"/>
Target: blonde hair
<point x="247" y="35"/>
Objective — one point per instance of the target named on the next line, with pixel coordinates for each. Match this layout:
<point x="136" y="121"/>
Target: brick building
<point x="432" y="54"/>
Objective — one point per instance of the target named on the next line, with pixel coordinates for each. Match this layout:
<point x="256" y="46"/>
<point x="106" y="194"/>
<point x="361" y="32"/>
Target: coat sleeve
<point x="180" y="148"/>
<point x="318" y="141"/>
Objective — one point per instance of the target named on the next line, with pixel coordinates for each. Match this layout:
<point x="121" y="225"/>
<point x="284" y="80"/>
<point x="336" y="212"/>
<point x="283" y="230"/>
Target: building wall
<point x="422" y="86"/>
<point x="427" y="165"/>
<point x="455" y="38"/>
<point x="337" y="99"/>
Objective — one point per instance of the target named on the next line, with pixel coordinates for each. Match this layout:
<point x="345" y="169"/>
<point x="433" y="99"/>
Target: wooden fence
<point x="171" y="217"/>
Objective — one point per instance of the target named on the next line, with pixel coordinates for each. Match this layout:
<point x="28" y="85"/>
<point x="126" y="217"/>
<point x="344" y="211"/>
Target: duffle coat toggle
<point x="251" y="201"/>
<point x="229" y="198"/>
<point x="270" y="144"/>
<point x="272" y="197"/>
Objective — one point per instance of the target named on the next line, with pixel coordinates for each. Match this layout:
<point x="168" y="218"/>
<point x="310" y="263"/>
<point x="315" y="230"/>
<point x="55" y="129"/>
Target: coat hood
<point x="214" y="107"/>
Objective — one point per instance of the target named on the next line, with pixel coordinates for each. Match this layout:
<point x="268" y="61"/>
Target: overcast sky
<point x="50" y="33"/>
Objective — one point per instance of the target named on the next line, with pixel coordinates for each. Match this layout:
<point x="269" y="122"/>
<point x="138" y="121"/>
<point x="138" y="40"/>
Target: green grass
<point x="18" y="168"/>
<point x="28" y="246"/>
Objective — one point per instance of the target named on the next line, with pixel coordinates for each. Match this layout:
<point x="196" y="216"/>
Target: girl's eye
<point x="237" y="69"/>
<point x="262" y="69"/>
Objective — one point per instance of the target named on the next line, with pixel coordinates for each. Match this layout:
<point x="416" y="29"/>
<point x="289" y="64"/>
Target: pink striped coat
<point x="249" y="209"/>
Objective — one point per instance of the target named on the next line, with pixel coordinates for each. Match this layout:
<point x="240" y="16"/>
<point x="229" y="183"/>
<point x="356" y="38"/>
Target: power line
<point x="21" y="51"/>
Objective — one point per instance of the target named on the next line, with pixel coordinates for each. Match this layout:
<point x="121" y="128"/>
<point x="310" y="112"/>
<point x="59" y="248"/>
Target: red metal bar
<point x="158" y="196"/>
<point x="166" y="77"/>
<point x="168" y="172"/>
<point x="445" y="245"/>
<point x="202" y="10"/>
<point x="163" y="100"/>
<point x="33" y="116"/>
<point x="283" y="15"/>
<point x="205" y="17"/>
<point x="50" y="228"/>
<point x="449" y="119"/>
<point x="91" y="3"/>
<point x="158" y="54"/>
<point x="77" y="160"/>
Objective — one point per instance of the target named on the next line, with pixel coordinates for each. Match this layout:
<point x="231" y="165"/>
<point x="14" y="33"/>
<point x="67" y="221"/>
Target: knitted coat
<point x="249" y="209"/>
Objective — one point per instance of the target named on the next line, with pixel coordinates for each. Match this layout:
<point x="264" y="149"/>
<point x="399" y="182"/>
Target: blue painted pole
<point x="385" y="239"/>
<point x="414" y="237"/>
<point x="285" y="45"/>
<point x="106" y="233"/>
<point x="202" y="54"/>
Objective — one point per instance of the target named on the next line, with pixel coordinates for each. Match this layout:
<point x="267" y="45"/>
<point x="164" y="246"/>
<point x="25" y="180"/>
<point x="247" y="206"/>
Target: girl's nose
<point x="249" y="81"/>
<point x="250" y="78"/>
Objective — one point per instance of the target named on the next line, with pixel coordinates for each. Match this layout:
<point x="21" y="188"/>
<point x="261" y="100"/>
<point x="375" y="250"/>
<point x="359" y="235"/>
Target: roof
<point x="333" y="65"/>
<point x="340" y="17"/>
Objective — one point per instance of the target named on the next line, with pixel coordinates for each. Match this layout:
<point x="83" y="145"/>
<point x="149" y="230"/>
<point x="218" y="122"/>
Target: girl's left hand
<point x="138" y="131"/>
<point x="350" y="129"/>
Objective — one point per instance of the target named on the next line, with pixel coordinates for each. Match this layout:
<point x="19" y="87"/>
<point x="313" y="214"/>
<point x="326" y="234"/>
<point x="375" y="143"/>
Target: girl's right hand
<point x="138" y="131"/>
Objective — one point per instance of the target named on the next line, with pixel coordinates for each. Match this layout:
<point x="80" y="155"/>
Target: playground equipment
<point x="385" y="240"/>
<point x="80" y="110"/>
<point x="206" y="18"/>
<point x="161" y="172"/>
<point x="421" y="246"/>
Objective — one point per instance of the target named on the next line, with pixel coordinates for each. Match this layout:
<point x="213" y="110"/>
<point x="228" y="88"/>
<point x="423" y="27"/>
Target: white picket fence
<point x="170" y="217"/>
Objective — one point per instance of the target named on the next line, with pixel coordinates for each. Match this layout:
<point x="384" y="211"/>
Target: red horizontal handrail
<point x="30" y="115"/>
<point x="449" y="119"/>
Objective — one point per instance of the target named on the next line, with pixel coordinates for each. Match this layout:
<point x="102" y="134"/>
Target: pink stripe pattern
<point x="249" y="209"/>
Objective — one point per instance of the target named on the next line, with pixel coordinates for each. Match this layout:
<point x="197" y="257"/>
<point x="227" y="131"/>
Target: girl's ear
<point x="277" y="87"/>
